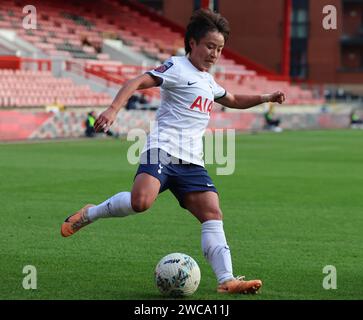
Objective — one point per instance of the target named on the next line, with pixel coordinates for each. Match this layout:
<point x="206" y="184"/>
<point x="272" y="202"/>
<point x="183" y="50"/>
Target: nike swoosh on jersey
<point x="191" y="83"/>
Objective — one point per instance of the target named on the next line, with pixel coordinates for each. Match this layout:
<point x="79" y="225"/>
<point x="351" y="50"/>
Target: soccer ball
<point x="177" y="274"/>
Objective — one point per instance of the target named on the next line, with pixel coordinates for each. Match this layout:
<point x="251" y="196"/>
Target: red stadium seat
<point x="29" y="88"/>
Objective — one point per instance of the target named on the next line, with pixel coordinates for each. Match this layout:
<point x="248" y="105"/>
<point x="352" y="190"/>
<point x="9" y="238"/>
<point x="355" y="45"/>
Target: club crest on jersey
<point x="164" y="67"/>
<point x="203" y="104"/>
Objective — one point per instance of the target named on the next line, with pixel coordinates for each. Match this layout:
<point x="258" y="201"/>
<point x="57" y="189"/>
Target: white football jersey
<point x="187" y="97"/>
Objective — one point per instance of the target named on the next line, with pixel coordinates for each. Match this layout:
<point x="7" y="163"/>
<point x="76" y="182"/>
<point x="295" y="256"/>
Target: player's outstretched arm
<point x="107" y="117"/>
<point x="248" y="101"/>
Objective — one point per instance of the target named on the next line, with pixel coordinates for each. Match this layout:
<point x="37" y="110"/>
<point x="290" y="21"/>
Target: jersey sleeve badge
<point x="164" y="67"/>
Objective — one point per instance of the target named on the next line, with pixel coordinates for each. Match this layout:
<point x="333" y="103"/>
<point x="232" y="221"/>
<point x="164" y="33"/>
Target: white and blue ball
<point x="177" y="274"/>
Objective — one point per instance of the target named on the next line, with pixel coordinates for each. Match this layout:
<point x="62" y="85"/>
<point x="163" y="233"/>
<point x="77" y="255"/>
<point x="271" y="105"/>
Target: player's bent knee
<point x="140" y="203"/>
<point x="217" y="215"/>
<point x="139" y="206"/>
<point x="213" y="215"/>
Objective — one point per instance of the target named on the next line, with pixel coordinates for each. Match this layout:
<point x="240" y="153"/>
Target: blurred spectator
<point x="90" y="127"/>
<point x="355" y="121"/>
<point x="271" y="123"/>
<point x="137" y="102"/>
<point x="143" y="102"/>
<point x="132" y="102"/>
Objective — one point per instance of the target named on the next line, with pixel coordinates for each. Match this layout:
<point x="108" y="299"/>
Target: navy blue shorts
<point x="179" y="177"/>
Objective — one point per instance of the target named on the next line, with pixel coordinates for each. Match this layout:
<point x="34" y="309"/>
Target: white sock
<point x="118" y="205"/>
<point x="216" y="250"/>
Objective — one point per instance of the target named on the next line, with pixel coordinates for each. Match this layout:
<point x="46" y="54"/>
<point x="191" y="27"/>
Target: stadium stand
<point x="29" y="88"/>
<point x="75" y="33"/>
<point x="113" y="72"/>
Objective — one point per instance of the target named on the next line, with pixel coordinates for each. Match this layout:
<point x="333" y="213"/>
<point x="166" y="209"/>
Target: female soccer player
<point x="172" y="156"/>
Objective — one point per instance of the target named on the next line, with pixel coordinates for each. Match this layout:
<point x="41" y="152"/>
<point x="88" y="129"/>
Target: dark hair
<point x="203" y="21"/>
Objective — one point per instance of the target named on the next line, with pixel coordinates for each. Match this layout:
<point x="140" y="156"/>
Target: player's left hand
<point x="277" y="96"/>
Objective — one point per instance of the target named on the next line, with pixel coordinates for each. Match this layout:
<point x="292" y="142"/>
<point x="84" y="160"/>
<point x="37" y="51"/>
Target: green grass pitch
<point x="293" y="205"/>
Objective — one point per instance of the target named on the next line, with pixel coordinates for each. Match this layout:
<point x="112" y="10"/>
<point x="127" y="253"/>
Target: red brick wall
<point x="256" y="29"/>
<point x="256" y="33"/>
<point x="178" y="11"/>
<point x="323" y="45"/>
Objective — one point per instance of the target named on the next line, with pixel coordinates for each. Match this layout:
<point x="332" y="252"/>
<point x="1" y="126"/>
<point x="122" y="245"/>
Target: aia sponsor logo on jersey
<point x="164" y="67"/>
<point x="202" y="104"/>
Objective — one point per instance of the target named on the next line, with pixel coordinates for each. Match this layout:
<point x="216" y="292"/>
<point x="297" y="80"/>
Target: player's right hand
<point x="105" y="120"/>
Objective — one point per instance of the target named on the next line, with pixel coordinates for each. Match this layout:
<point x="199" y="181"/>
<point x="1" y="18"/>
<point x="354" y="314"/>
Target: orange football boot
<point x="239" y="285"/>
<point x="76" y="221"/>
